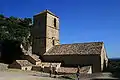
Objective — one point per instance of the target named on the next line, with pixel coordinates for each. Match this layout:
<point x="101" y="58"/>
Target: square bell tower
<point x="45" y="32"/>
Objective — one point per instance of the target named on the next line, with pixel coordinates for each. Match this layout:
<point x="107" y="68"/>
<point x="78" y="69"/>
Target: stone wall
<point x="104" y="59"/>
<point x="38" y="34"/>
<point x="15" y="65"/>
<point x="52" y="31"/>
<point x="65" y="70"/>
<point x="38" y="68"/>
<point x="34" y="59"/>
<point x="69" y="70"/>
<point x="44" y="32"/>
<point x="75" y="60"/>
<point x="46" y="66"/>
<point x="3" y="67"/>
<point x="28" y="68"/>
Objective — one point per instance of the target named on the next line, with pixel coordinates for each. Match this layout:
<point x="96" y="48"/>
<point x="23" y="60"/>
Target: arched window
<point x="54" y="22"/>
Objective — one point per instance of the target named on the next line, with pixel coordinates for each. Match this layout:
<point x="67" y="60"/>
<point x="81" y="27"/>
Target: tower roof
<point x="46" y="11"/>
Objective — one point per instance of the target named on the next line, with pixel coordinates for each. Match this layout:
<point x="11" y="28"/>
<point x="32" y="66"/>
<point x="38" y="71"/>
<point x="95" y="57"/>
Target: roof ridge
<point x="81" y="43"/>
<point x="46" y="11"/>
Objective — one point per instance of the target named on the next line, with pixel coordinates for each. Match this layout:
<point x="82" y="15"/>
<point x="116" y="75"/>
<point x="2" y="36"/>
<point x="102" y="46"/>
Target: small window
<point x="53" y="42"/>
<point x="25" y="68"/>
<point x="54" y="22"/>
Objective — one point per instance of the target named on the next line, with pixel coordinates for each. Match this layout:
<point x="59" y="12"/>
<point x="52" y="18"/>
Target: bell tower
<point x="45" y="32"/>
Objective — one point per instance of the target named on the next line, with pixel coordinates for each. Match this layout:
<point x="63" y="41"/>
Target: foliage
<point x="12" y="28"/>
<point x="114" y="65"/>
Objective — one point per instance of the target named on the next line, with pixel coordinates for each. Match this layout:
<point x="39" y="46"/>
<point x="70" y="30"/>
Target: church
<point x="46" y="44"/>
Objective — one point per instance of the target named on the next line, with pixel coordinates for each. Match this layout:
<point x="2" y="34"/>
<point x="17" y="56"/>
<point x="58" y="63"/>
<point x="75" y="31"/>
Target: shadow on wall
<point x="10" y="51"/>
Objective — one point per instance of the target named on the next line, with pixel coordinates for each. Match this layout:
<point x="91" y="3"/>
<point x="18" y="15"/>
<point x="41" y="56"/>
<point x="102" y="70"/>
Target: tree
<point x="13" y="28"/>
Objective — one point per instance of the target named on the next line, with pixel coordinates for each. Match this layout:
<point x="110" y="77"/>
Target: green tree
<point x="13" y="28"/>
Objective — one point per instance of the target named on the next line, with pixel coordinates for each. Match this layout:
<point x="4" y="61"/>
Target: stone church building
<point x="46" y="44"/>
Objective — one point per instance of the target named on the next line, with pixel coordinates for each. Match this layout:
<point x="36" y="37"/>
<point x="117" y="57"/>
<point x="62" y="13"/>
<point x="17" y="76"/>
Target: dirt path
<point x="22" y="75"/>
<point x="33" y="75"/>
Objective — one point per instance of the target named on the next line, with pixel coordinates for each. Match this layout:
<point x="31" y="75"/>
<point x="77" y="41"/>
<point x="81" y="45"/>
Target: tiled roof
<point x="76" y="48"/>
<point x="24" y="62"/>
<point x="35" y="57"/>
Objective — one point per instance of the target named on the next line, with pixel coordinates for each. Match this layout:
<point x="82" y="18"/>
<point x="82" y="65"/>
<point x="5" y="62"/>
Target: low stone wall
<point x="65" y="70"/>
<point x="3" y="67"/>
<point x="46" y="66"/>
<point x="28" y="68"/>
<point x="38" y="68"/>
<point x="69" y="70"/>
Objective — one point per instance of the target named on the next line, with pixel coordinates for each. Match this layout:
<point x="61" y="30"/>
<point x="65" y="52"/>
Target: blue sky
<point x="80" y="20"/>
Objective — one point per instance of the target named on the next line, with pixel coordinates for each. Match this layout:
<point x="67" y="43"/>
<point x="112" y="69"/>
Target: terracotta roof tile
<point x="35" y="57"/>
<point x="24" y="62"/>
<point x="76" y="48"/>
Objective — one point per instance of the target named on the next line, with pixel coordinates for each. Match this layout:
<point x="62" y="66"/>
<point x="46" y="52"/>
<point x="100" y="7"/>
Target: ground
<point x="15" y="74"/>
